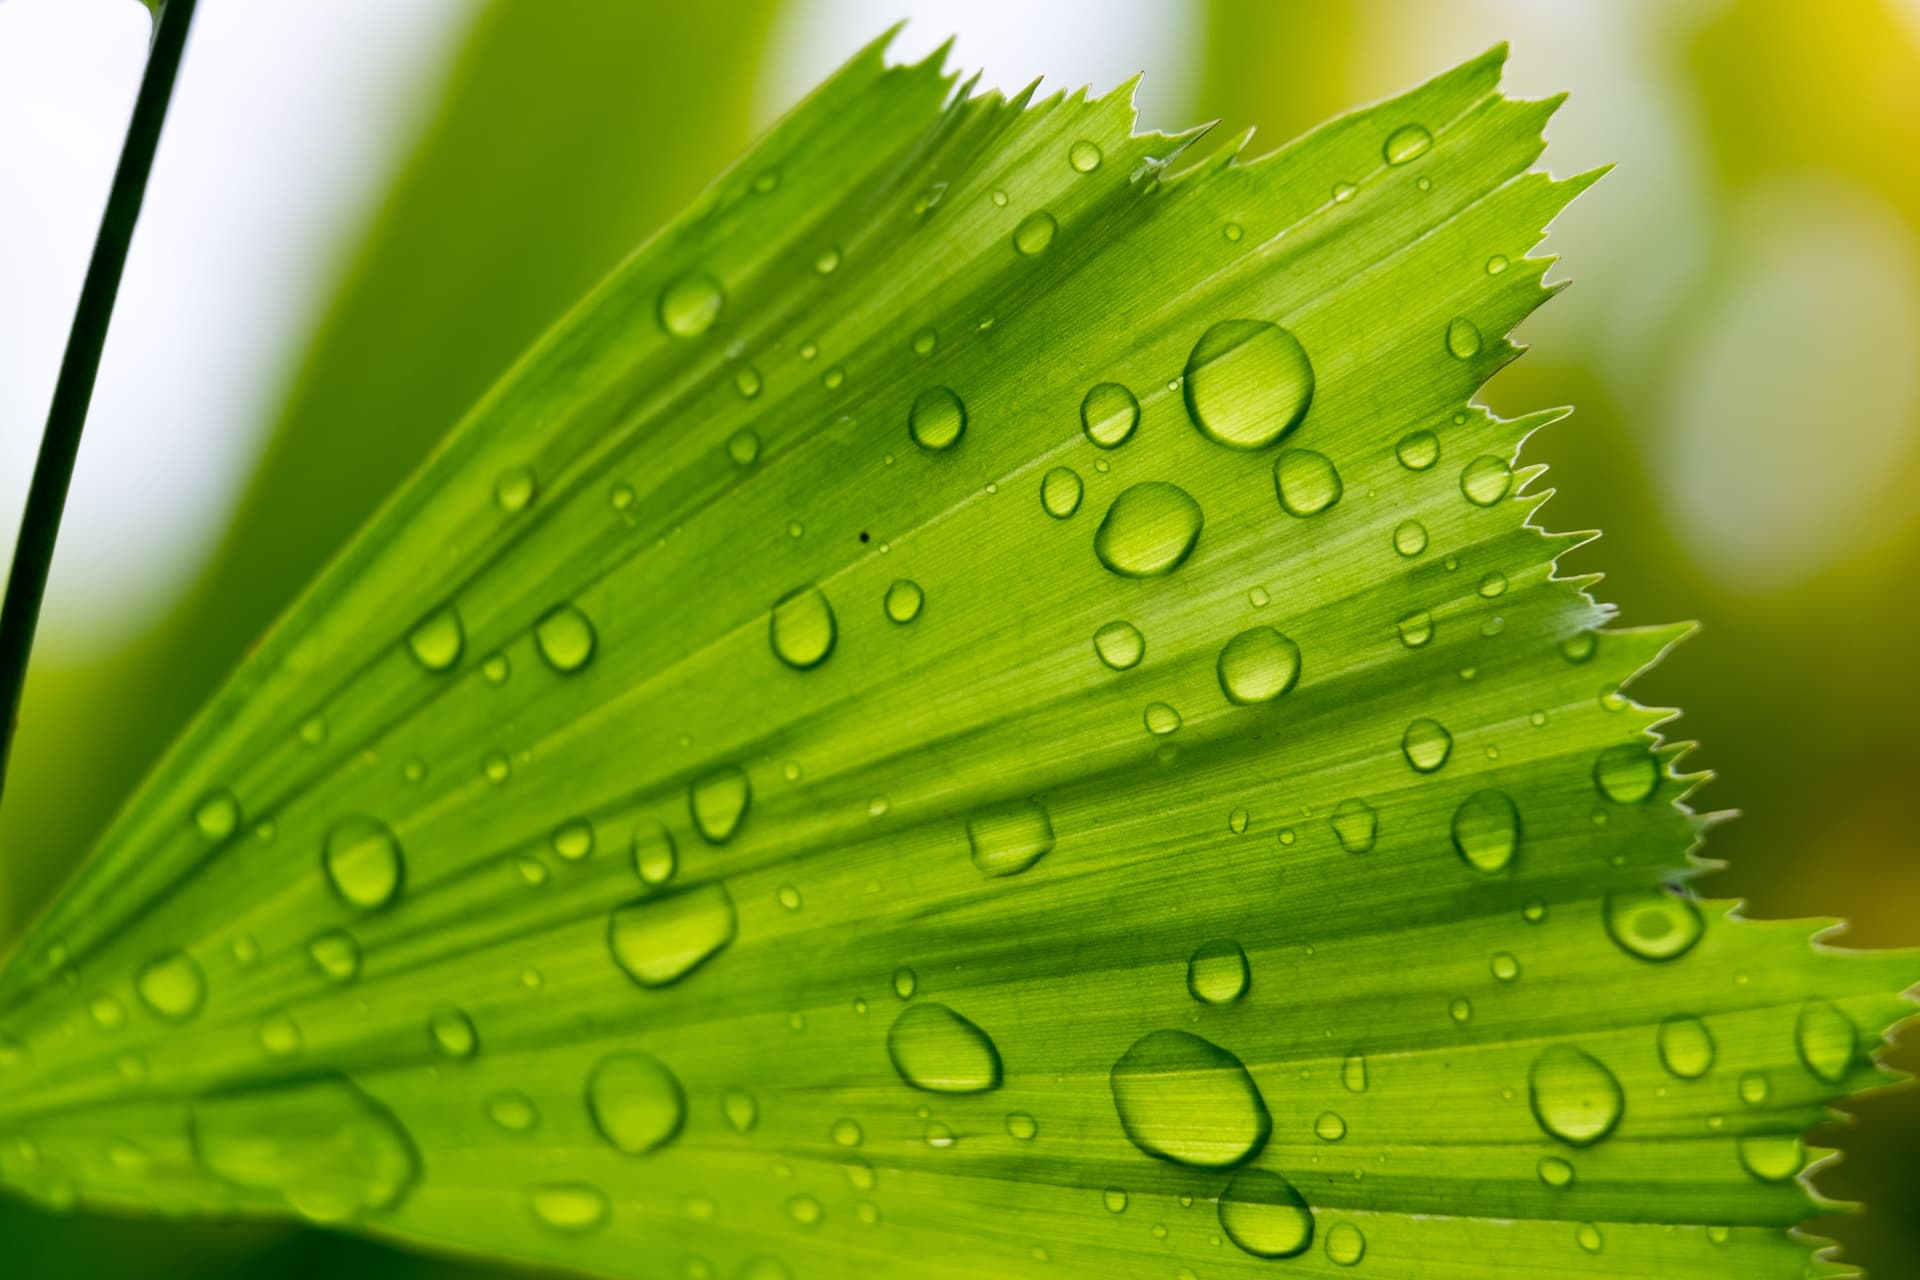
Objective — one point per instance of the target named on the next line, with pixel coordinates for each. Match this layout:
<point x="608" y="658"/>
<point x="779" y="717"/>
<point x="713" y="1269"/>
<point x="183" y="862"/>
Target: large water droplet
<point x="937" y="419"/>
<point x="1307" y="482"/>
<point x="1355" y="824"/>
<point x="903" y="600"/>
<point x="802" y="628"/>
<point x="1486" y="480"/>
<point x="571" y="1208"/>
<point x="1120" y="645"/>
<point x="1653" y="925"/>
<point x="1248" y="383"/>
<point x="660" y="940"/>
<point x="935" y="1049"/>
<point x="1826" y="1039"/>
<point x="1034" y="233"/>
<point x="1262" y="1213"/>
<point x="1217" y="972"/>
<point x="328" y="1150"/>
<point x="1486" y="830"/>
<point x="565" y="638"/>
<point x="1150" y="529"/>
<point x="1627" y="773"/>
<point x="172" y="985"/>
<point x="1060" y="491"/>
<point x="1346" y="1245"/>
<point x="1463" y="338"/>
<point x="1161" y="719"/>
<point x="1187" y="1100"/>
<point x="1410" y="538"/>
<point x="363" y="862"/>
<point x="1427" y="744"/>
<point x="717" y="801"/>
<point x="1084" y="156"/>
<point x="1258" y="665"/>
<point x="1109" y="414"/>
<point x="690" y="304"/>
<point x="1772" y="1157"/>
<point x="1408" y="142"/>
<point x="436" y="641"/>
<point x="636" y="1103"/>
<point x="1009" y="837"/>
<point x="1573" y="1095"/>
<point x="1686" y="1046"/>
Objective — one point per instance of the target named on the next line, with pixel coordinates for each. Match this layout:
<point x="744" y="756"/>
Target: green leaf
<point x="986" y="706"/>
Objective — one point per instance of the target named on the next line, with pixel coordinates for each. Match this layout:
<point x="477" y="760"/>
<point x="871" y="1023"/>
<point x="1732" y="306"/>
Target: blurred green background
<point x="1741" y="343"/>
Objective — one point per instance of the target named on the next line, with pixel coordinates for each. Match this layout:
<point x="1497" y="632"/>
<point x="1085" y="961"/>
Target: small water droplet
<point x="1353" y="1073"/>
<point x="748" y="383"/>
<point x="1150" y="529"/>
<point x="743" y="446"/>
<point x="1555" y="1172"/>
<point x="717" y="801"/>
<point x="1573" y="1095"/>
<point x="903" y="600"/>
<point x="741" y="1109"/>
<point x="904" y="982"/>
<point x="1772" y="1157"/>
<point x="1306" y="482"/>
<point x="1486" y="830"/>
<point x="1416" y="629"/>
<point x="938" y="1135"/>
<point x="690" y="304"/>
<point x="329" y="1151"/>
<point x="1587" y="1236"/>
<point x="363" y="862"/>
<point x="436" y="641"/>
<point x="1120" y="645"/>
<point x="1247" y="383"/>
<point x="172" y="985"/>
<point x="924" y="341"/>
<point x="1109" y="414"/>
<point x="1460" y="1009"/>
<point x="937" y="419"/>
<point x="1022" y="1127"/>
<point x="1262" y="1213"/>
<point x="1232" y="232"/>
<point x="1217" y="972"/>
<point x="1653" y="925"/>
<point x="1408" y="142"/>
<point x="1627" y="773"/>
<point x="1258" y="665"/>
<point x="280" y="1035"/>
<point x="1115" y="1198"/>
<point x="1084" y="156"/>
<point x="1686" y="1046"/>
<point x="1418" y="450"/>
<point x="1463" y="338"/>
<point x="1344" y="191"/>
<point x="654" y="856"/>
<point x="1754" y="1088"/>
<point x="565" y="638"/>
<point x="571" y="1208"/>
<point x="452" y="1032"/>
<point x="497" y="767"/>
<point x="1426" y="744"/>
<point x="513" y="1111"/>
<point x="1161" y="719"/>
<point x="514" y="489"/>
<point x="1034" y="233"/>
<point x="1329" y="1126"/>
<point x="1060" y="492"/>
<point x="1009" y="837"/>
<point x="660" y="940"/>
<point x="1355" y="825"/>
<point x="1410" y="538"/>
<point x="827" y="261"/>
<point x="636" y="1102"/>
<point x="1187" y="1100"/>
<point x="1345" y="1244"/>
<point x="802" y="628"/>
<point x="1826" y="1040"/>
<point x="335" y="954"/>
<point x="1486" y="480"/>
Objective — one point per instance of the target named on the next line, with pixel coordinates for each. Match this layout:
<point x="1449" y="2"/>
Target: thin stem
<point x="60" y="445"/>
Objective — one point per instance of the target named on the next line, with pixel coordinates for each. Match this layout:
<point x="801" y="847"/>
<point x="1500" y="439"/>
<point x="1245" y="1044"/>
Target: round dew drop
<point x="514" y="489"/>
<point x="1355" y="824"/>
<point x="172" y="985"/>
<point x="1306" y="482"/>
<point x="513" y="1111"/>
<point x="1022" y="1126"/>
<point x="1418" y="450"/>
<point x="1109" y="414"/>
<point x="363" y="862"/>
<point x="335" y="954"/>
<point x="572" y="841"/>
<point x="1258" y="665"/>
<point x="717" y="801"/>
<point x="1826" y="1040"/>
<point x="1345" y="1244"/>
<point x="1463" y="338"/>
<point x="1161" y="719"/>
<point x="1771" y="1157"/>
<point x="1627" y="773"/>
<point x="565" y="639"/>
<point x="1115" y="1198"/>
<point x="436" y="641"/>
<point x="1416" y="629"/>
<point x="1060" y="492"/>
<point x="1034" y="233"/>
<point x="1686" y="1046"/>
<point x="654" y="856"/>
<point x="1247" y="383"/>
<point x="660" y="940"/>
<point x="1486" y="480"/>
<point x="741" y="1109"/>
<point x="1120" y="645"/>
<point x="690" y="303"/>
<point x="1426" y="744"/>
<point x="1408" y="142"/>
<point x="1574" y="1097"/>
<point x="1329" y="1126"/>
<point x="743" y="447"/>
<point x="802" y="628"/>
<point x="935" y="1049"/>
<point x="1217" y="972"/>
<point x="571" y="1208"/>
<point x="937" y="419"/>
<point x="1150" y="529"/>
<point x="452" y="1032"/>
<point x="1555" y="1172"/>
<point x="217" y="816"/>
<point x="903" y="601"/>
<point x="1486" y="831"/>
<point x="636" y="1102"/>
<point x="1654" y="925"/>
<point x="1084" y="156"/>
<point x="1262" y="1213"/>
<point x="1410" y="538"/>
<point x="1007" y="838"/>
<point x="1187" y="1100"/>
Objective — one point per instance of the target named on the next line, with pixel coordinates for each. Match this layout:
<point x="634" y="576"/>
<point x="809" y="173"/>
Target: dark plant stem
<point x="60" y="445"/>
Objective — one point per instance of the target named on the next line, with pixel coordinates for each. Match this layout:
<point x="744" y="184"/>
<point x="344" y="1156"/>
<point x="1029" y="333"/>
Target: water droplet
<point x="662" y="939"/>
<point x="1463" y="338"/>
<point x="1258" y="665"/>
<point x="1022" y="1126"/>
<point x="572" y="841"/>
<point x="937" y="419"/>
<point x="903" y="600"/>
<point x="654" y="855"/>
<point x="172" y="985"/>
<point x="1418" y="450"/>
<point x="497" y="767"/>
<point x="904" y="982"/>
<point x="1248" y="383"/>
<point x="514" y="489"/>
<point x="827" y="261"/>
<point x="1344" y="191"/>
<point x="1686" y="1046"/>
<point x="1772" y="1157"/>
<point x="496" y="669"/>
<point x="436" y="641"/>
<point x="1555" y="1172"/>
<point x="718" y="802"/>
<point x="1410" y="538"/>
<point x="1120" y="645"/>
<point x="513" y="1111"/>
<point x="788" y="897"/>
<point x="1355" y="824"/>
<point x="1108" y="415"/>
<point x="1009" y="837"/>
<point x="1573" y="1095"/>
<point x="313" y="730"/>
<point x="1486" y="480"/>
<point x="1427" y="744"/>
<point x="1496" y="264"/>
<point x="1504" y="966"/>
<point x="1460" y="1009"/>
<point x="1217" y="972"/>
<point x="1627" y="773"/>
<point x="1329" y="1126"/>
<point x="690" y="304"/>
<point x="1115" y="1198"/>
<point x="1353" y="1073"/>
<point x="107" y="1012"/>
<point x="1187" y="1100"/>
<point x="1232" y="232"/>
<point x="571" y="1208"/>
<point x="924" y="341"/>
<point x="748" y="383"/>
<point x="1653" y="925"/>
<point x="1493" y="584"/>
<point x="1306" y="482"/>
<point x="328" y="1150"/>
<point x="636" y="1103"/>
<point x="765" y="181"/>
<point x="1034" y="233"/>
<point x="452" y="1032"/>
<point x="279" y="1035"/>
<point x="1084" y="156"/>
<point x="363" y="862"/>
<point x="1486" y="830"/>
<point x="1161" y="719"/>
<point x="1754" y="1088"/>
<point x="1150" y="529"/>
<point x="1408" y="142"/>
<point x="1345" y="1244"/>
<point x="1060" y="491"/>
<point x="938" y="1135"/>
<point x="565" y="638"/>
<point x="1826" y="1040"/>
<point x="1416" y="629"/>
<point x="1587" y="1236"/>
<point x="741" y="1110"/>
<point x="802" y="628"/>
<point x="335" y="954"/>
<point x="743" y="446"/>
<point x="1262" y="1213"/>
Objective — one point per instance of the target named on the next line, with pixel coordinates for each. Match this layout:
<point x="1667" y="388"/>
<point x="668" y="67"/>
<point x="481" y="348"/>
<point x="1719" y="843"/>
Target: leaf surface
<point x="986" y="705"/>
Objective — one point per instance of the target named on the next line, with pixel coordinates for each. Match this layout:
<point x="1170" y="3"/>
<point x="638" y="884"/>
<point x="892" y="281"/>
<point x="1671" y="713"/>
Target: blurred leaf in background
<point x="565" y="135"/>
